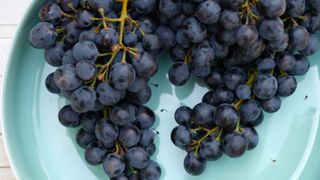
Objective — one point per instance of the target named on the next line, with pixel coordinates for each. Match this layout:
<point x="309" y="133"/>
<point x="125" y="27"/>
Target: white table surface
<point x="10" y="14"/>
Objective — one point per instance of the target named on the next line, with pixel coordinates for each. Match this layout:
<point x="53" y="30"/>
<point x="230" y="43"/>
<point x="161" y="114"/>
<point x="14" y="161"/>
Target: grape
<point x="234" y="76"/>
<point x="188" y="8"/>
<point x="43" y="35"/>
<point x="208" y="12"/>
<point x="181" y="39"/>
<point x="166" y="36"/>
<point x="286" y="85"/>
<point x="89" y="120"/>
<point x="312" y="46"/>
<point x="130" y="39"/>
<point x="106" y="132"/>
<point x="194" y="30"/>
<point x="151" y="42"/>
<point x="97" y="4"/>
<point x="85" y="50"/>
<point x="85" y="69"/>
<point x="230" y="19"/>
<point x="252" y="136"/>
<point x="226" y="116"/>
<point x="180" y="136"/>
<point x="286" y="62"/>
<point x="220" y="50"/>
<point x="177" y="53"/>
<point x="85" y="138"/>
<point x="299" y="38"/>
<point x="176" y="22"/>
<point x="141" y="97"/>
<point x="71" y="33"/>
<point x="88" y="35"/>
<point x="170" y="8"/>
<point x="145" y="66"/>
<point x="210" y="149"/>
<point x="108" y="95"/>
<point x="122" y="75"/>
<point x="51" y="85"/>
<point x="234" y="145"/>
<point x="279" y="45"/>
<point x="138" y="85"/>
<point x="227" y="37"/>
<point x="233" y="4"/>
<point x="271" y="105"/>
<point x="68" y="117"/>
<point x="83" y="99"/>
<point x="84" y="18"/>
<point x="315" y="5"/>
<point x="50" y="12"/>
<point x="65" y="78"/>
<point x="183" y="115"/>
<point x="144" y="7"/>
<point x="265" y="86"/>
<point x="146" y="137"/>
<point x="246" y="35"/>
<point x="203" y="114"/>
<point x="129" y="135"/>
<point x="151" y="149"/>
<point x="295" y="8"/>
<point x="145" y="117"/>
<point x="194" y="165"/>
<point x="138" y="157"/>
<point x="179" y="73"/>
<point x="274" y="8"/>
<point x="95" y="153"/>
<point x="265" y="64"/>
<point x="219" y="96"/>
<point x="271" y="29"/>
<point x="68" y="58"/>
<point x="123" y="114"/>
<point x="109" y="38"/>
<point x="243" y="92"/>
<point x="249" y="111"/>
<point x="113" y="165"/>
<point x="151" y="172"/>
<point x="65" y="4"/>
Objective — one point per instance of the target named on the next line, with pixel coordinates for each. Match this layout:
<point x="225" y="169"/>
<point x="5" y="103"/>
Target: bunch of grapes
<point x="104" y="59"/>
<point x="248" y="52"/>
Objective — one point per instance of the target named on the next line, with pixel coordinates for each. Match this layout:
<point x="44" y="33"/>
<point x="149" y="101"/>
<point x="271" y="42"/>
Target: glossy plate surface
<point x="40" y="148"/>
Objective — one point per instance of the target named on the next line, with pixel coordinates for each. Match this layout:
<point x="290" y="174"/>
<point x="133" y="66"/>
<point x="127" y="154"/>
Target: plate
<point x="40" y="148"/>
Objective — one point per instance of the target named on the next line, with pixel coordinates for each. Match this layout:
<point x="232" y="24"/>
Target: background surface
<point x="10" y="14"/>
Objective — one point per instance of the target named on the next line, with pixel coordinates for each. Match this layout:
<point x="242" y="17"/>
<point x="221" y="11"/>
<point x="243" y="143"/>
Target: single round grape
<point x="226" y="116"/>
<point x="249" y="110"/>
<point x="274" y="8"/>
<point x="68" y="58"/>
<point x="85" y="138"/>
<point x="177" y="53"/>
<point x="215" y="78"/>
<point x="108" y="95"/>
<point x="106" y="132"/>
<point x="144" y="7"/>
<point x="146" y="137"/>
<point x="265" y="64"/>
<point x="83" y="99"/>
<point x="54" y="54"/>
<point x="89" y="120"/>
<point x="271" y="105"/>
<point x="230" y="19"/>
<point x="108" y="38"/>
<point x="95" y="5"/>
<point x="151" y="149"/>
<point x="86" y="69"/>
<point x="299" y="38"/>
<point x="233" y="77"/>
<point x="208" y="12"/>
<point x="271" y="29"/>
<point x="151" y="172"/>
<point x="51" y="85"/>
<point x="68" y="117"/>
<point x="129" y="135"/>
<point x="43" y="35"/>
<point x="179" y="73"/>
<point x="180" y="136"/>
<point x="146" y="66"/>
<point x="151" y="42"/>
<point x="66" y="78"/>
<point x="138" y="85"/>
<point x="123" y="114"/>
<point x="286" y="85"/>
<point x="183" y="115"/>
<point x="286" y="62"/>
<point x="50" y="12"/>
<point x="166" y="36"/>
<point x="138" y="158"/>
<point x="85" y="50"/>
<point x="194" y="164"/>
<point x="210" y="149"/>
<point x="265" y="86"/>
<point x="255" y="122"/>
<point x="71" y="33"/>
<point x="95" y="153"/>
<point x="246" y="35"/>
<point x="113" y="165"/>
<point x="280" y="44"/>
<point x="88" y="35"/>
<point x="122" y="75"/>
<point x="145" y="117"/>
<point x="84" y="18"/>
<point x="295" y="8"/>
<point x="235" y="144"/>
<point x="130" y="39"/>
<point x="170" y="8"/>
<point x="203" y="114"/>
<point x="194" y="30"/>
<point x="243" y="92"/>
<point x="312" y="46"/>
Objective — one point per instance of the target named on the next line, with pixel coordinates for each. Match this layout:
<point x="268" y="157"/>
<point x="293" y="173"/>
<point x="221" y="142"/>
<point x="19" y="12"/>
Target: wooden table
<point x="10" y="15"/>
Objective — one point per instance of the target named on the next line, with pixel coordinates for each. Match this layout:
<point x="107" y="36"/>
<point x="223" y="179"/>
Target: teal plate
<point x="40" y="148"/>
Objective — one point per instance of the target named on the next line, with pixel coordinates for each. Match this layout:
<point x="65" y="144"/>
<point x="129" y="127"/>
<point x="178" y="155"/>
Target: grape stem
<point x="188" y="57"/>
<point x="196" y="144"/>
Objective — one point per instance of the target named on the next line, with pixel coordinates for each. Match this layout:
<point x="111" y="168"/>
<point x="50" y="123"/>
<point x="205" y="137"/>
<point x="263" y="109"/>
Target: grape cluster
<point x="248" y="53"/>
<point x="104" y="59"/>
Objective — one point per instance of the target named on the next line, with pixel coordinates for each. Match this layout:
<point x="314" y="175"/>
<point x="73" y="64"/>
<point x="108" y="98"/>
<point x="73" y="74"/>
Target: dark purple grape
<point x="166" y="36"/>
<point x="122" y="75"/>
<point x="146" y="137"/>
<point x="151" y="172"/>
<point x="85" y="138"/>
<point x="146" y="66"/>
<point x="138" y="158"/>
<point x="83" y="99"/>
<point x="247" y="35"/>
<point x="84" y="18"/>
<point x="274" y="8"/>
<point x="86" y="69"/>
<point x="170" y="8"/>
<point x="54" y="55"/>
<point x="43" y="35"/>
<point x="235" y="144"/>
<point x="219" y="96"/>
<point x="302" y="65"/>
<point x="194" y="30"/>
<point x="271" y="105"/>
<point x="129" y="135"/>
<point x="144" y="7"/>
<point x="106" y="132"/>
<point x="85" y="50"/>
<point x="180" y="136"/>
<point x="138" y="85"/>
<point x="271" y="29"/>
<point x="299" y="38"/>
<point x="249" y="111"/>
<point x="243" y="92"/>
<point x="108" y="95"/>
<point x="113" y="165"/>
<point x="97" y="4"/>
<point x="89" y="120"/>
<point x="145" y="117"/>
<point x="230" y="19"/>
<point x="233" y="77"/>
<point x="68" y="117"/>
<point x="50" y="12"/>
<point x="312" y="46"/>
<point x="226" y="116"/>
<point x="179" y="73"/>
<point x="108" y="38"/>
<point x="95" y="153"/>
<point x="141" y="97"/>
<point x="208" y="12"/>
<point x="151" y="42"/>
<point x="252" y="136"/>
<point x="194" y="165"/>
<point x="286" y="85"/>
<point x="183" y="115"/>
<point x="295" y="8"/>
<point x="286" y="62"/>
<point x="51" y="85"/>
<point x="265" y="86"/>
<point x="210" y="149"/>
